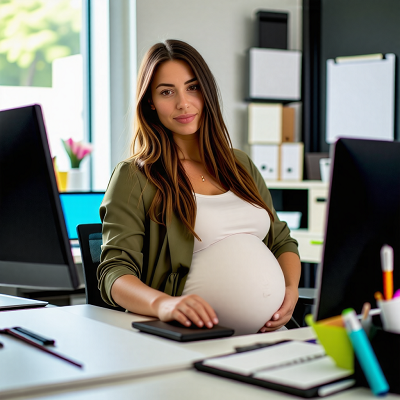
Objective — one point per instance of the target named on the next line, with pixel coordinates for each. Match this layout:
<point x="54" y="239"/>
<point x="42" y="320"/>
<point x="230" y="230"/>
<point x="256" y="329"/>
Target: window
<point x="77" y="59"/>
<point x="41" y="62"/>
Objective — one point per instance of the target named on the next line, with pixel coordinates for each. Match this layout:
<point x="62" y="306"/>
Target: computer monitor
<point x="80" y="208"/>
<point x="364" y="214"/>
<point x="34" y="246"/>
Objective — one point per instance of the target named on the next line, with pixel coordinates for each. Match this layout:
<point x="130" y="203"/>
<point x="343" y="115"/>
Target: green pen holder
<point x="335" y="341"/>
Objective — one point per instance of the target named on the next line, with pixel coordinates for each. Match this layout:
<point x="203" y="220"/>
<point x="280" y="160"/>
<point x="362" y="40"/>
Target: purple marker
<point x="396" y="293"/>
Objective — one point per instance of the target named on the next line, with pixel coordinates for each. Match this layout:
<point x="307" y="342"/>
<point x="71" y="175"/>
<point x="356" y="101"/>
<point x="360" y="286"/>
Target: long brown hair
<point x="155" y="152"/>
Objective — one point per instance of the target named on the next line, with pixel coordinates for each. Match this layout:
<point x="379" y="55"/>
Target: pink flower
<point x="83" y="150"/>
<point x="76" y="151"/>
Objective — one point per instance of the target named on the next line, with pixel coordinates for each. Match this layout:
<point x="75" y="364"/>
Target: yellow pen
<point x="378" y="296"/>
<point x="387" y="270"/>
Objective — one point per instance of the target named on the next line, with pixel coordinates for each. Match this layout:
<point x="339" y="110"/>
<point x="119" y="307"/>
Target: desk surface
<point x="177" y="382"/>
<point x="187" y="385"/>
<point x="106" y="352"/>
<point x="208" y="348"/>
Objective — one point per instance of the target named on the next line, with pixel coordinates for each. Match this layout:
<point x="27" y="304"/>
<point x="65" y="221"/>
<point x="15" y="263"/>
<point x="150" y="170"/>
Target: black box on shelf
<point x="272" y="30"/>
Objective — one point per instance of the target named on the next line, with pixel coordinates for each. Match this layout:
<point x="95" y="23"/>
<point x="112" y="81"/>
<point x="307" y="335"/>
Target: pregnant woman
<point x="189" y="229"/>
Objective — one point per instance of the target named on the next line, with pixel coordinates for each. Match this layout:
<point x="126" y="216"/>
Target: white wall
<point x="222" y="31"/>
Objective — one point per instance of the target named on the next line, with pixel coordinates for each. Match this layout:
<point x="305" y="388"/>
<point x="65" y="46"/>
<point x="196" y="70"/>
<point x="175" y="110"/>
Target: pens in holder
<point x="366" y="319"/>
<point x="378" y="296"/>
<point x="387" y="270"/>
<point x="365" y="354"/>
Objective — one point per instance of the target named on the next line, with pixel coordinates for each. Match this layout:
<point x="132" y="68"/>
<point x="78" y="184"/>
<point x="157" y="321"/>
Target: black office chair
<point x="303" y="307"/>
<point x="90" y="241"/>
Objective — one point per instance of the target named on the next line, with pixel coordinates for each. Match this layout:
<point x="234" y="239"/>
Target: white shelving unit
<point x="310" y="240"/>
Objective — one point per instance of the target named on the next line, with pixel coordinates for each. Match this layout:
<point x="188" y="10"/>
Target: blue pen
<point x="365" y="355"/>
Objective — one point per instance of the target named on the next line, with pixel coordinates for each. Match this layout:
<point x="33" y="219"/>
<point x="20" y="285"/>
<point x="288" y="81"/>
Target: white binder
<point x="291" y="158"/>
<point x="360" y="97"/>
<point x="266" y="159"/>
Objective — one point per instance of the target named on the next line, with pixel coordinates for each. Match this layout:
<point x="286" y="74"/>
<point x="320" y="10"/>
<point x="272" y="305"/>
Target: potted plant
<point x="76" y="151"/>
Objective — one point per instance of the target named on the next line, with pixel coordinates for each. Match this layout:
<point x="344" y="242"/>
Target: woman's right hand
<point x="186" y="309"/>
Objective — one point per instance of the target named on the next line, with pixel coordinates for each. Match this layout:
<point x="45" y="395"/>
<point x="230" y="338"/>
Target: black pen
<point x="26" y="339"/>
<point x="32" y="335"/>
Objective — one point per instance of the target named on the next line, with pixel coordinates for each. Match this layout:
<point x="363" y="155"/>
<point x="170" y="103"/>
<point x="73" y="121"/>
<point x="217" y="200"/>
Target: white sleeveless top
<point x="232" y="269"/>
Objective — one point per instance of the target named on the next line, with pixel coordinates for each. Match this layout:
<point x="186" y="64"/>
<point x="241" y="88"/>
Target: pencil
<point x="365" y="311"/>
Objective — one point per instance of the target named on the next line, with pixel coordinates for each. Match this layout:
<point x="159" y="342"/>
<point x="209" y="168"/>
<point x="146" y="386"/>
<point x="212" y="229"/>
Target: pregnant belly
<point x="241" y="279"/>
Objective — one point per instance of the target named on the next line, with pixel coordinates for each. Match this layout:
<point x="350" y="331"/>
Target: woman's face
<point x="176" y="97"/>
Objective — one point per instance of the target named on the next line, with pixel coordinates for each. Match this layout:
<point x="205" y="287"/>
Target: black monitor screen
<point x="34" y="246"/>
<point x="364" y="214"/>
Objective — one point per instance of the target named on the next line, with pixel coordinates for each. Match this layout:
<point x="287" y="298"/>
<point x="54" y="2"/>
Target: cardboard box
<point x="288" y="124"/>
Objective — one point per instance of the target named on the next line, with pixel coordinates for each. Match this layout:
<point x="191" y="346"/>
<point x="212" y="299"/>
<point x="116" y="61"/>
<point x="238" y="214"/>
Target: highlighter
<point x="387" y="270"/>
<point x="365" y="355"/>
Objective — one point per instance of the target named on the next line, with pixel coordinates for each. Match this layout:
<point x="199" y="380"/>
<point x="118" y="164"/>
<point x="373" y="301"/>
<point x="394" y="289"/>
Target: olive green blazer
<point x="160" y="256"/>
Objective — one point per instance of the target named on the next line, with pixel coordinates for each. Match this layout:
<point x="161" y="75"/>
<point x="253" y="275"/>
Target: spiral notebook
<point x="298" y="368"/>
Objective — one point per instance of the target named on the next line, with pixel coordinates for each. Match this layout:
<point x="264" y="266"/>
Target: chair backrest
<point x="90" y="241"/>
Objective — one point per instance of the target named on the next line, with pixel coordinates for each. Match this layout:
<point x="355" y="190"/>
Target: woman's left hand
<point x="283" y="315"/>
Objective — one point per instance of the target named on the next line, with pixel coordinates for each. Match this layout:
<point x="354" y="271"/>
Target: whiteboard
<point x="360" y="99"/>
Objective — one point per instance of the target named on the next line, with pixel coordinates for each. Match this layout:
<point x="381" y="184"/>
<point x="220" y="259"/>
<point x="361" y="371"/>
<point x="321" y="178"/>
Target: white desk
<point x="182" y="383"/>
<point x="207" y="348"/>
<point x="187" y="385"/>
<point x="106" y="352"/>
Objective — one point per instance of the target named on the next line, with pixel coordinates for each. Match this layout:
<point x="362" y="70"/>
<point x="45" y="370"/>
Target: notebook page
<point x="250" y="362"/>
<point x="307" y="375"/>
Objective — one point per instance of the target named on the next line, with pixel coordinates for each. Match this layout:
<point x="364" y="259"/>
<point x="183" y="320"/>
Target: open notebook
<point x="299" y="368"/>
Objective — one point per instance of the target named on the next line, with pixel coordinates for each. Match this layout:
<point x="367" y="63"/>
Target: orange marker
<point x="387" y="269"/>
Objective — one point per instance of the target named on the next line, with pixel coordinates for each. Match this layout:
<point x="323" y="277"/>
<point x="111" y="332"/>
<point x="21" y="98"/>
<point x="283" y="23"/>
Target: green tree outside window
<point x="33" y="33"/>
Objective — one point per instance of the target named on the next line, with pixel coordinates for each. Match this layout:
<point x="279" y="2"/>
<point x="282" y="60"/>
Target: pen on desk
<point x="17" y="335"/>
<point x="365" y="355"/>
<point x="387" y="270"/>
<point x="32" y="335"/>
